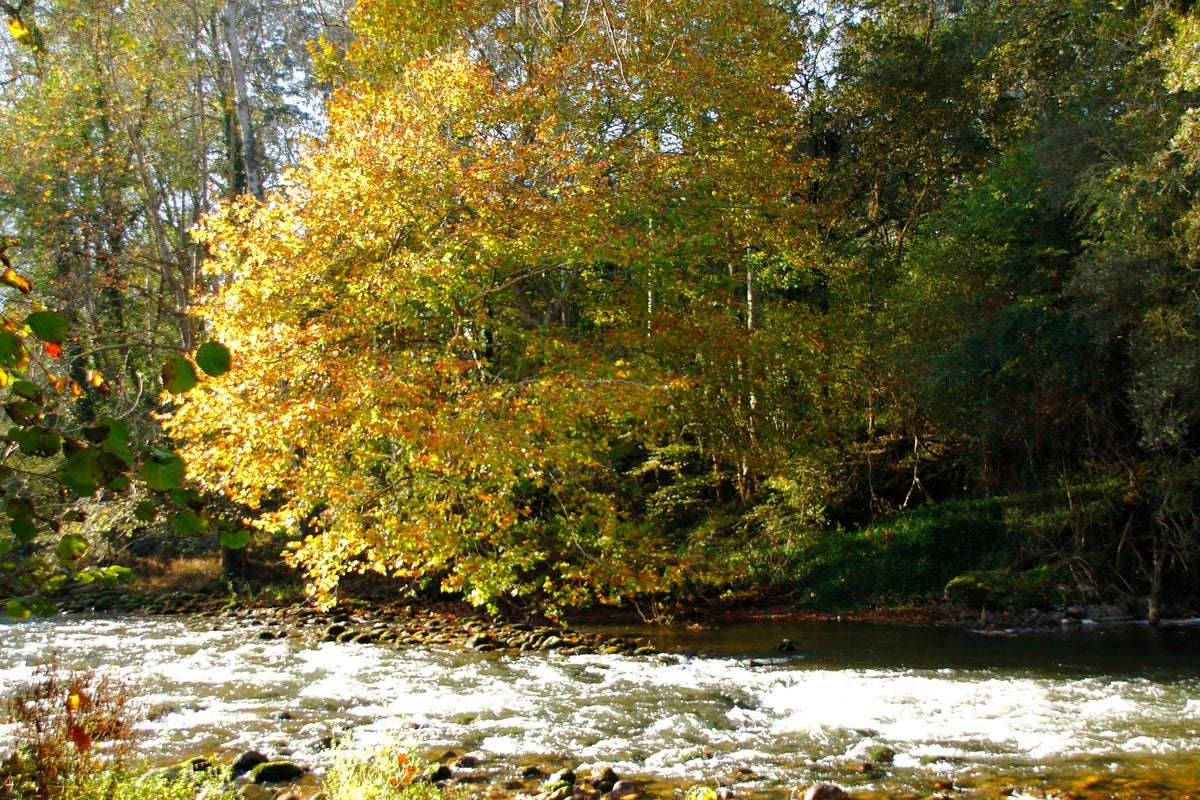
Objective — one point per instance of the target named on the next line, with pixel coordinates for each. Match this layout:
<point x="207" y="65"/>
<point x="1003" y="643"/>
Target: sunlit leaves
<point x="17" y="610"/>
<point x="12" y="351"/>
<point x="163" y="471"/>
<point x="9" y="277"/>
<point x="235" y="540"/>
<point x="187" y="522"/>
<point x="443" y="350"/>
<point x="71" y="547"/>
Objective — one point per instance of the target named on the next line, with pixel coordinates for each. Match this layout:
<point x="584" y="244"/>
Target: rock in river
<point x="276" y="772"/>
<point x="826" y="791"/>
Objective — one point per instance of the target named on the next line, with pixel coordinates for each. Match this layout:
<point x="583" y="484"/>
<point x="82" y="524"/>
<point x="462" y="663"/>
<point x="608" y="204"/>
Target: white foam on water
<point x="220" y="688"/>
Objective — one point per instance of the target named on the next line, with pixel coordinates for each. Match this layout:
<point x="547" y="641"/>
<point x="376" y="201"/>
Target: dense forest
<point x="550" y="303"/>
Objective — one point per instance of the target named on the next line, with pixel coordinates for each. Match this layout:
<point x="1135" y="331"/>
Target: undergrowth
<point x="391" y="772"/>
<point x="72" y="729"/>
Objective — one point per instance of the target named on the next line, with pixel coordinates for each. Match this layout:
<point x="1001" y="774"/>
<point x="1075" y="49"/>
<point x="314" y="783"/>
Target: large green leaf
<point x="23" y="529"/>
<point x="49" y="326"/>
<point x="145" y="511"/>
<point x="82" y="472"/>
<point x="235" y="540"/>
<point x="20" y="507"/>
<point x="214" y="358"/>
<point x="35" y="441"/>
<point x="12" y="350"/>
<point x="17" y="610"/>
<point x="22" y="411"/>
<point x="164" y="471"/>
<point x="188" y="523"/>
<point x="30" y="391"/>
<point x="178" y="375"/>
<point x="114" y="573"/>
<point x="71" y="547"/>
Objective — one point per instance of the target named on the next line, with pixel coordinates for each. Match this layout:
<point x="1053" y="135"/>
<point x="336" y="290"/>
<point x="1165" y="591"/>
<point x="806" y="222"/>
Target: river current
<point x="1104" y="710"/>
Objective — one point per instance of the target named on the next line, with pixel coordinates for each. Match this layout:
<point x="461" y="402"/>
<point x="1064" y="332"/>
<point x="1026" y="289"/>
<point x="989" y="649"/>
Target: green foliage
<point x="1009" y="590"/>
<point x="57" y="460"/>
<point x="390" y="772"/>
<point x="214" y="358"/>
<point x="143" y="784"/>
<point x="901" y="558"/>
<point x="49" y="326"/>
<point x="179" y="375"/>
<point x="605" y="306"/>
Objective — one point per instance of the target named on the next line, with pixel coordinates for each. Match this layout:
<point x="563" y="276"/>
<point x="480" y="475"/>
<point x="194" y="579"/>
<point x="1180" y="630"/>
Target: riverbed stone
<point x="826" y="791"/>
<point x="622" y="789"/>
<point x="562" y="776"/>
<point x="276" y="772"/>
<point x="251" y="791"/>
<point x="440" y="774"/>
<point x="605" y="774"/>
<point x="247" y="761"/>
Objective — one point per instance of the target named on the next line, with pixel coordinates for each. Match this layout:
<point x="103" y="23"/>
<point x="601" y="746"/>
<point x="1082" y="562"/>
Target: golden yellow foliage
<point x="445" y="350"/>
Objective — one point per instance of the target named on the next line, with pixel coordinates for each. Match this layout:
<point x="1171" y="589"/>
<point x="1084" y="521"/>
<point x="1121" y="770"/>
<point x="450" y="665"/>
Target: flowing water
<point x="1101" y="711"/>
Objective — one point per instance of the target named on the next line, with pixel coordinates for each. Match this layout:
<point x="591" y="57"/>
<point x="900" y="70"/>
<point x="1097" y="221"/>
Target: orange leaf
<point x="52" y="349"/>
<point x="96" y="379"/>
<point x="80" y="738"/>
<point x="10" y="277"/>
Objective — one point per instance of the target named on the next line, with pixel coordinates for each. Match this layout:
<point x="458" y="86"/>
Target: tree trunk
<point x="249" y="150"/>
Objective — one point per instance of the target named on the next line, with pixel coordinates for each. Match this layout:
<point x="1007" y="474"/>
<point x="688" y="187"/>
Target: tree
<point x="114" y="146"/>
<point x="460" y="325"/>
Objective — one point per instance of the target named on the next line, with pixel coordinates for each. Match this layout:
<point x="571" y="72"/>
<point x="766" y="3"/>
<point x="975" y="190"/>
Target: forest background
<point x="549" y="304"/>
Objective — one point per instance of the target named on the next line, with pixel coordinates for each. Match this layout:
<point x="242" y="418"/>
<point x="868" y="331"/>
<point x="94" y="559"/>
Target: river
<point x="1099" y="710"/>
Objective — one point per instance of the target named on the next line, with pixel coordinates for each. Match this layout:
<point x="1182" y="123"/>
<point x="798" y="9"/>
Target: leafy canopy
<point x="460" y="328"/>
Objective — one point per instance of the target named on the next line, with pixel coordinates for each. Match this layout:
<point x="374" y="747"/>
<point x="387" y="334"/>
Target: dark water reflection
<point x="1118" y="650"/>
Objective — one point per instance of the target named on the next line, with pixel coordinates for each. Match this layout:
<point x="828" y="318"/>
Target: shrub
<point x="123" y="785"/>
<point x="391" y="772"/>
<point x="900" y="558"/>
<point x="71" y="727"/>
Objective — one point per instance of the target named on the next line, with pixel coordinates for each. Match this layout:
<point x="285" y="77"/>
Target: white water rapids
<point x="210" y="686"/>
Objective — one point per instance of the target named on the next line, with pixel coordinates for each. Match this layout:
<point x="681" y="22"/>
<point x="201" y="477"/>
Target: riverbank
<point x="220" y="597"/>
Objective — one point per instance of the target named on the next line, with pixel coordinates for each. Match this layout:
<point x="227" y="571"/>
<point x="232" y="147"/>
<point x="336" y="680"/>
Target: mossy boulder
<point x="276" y="772"/>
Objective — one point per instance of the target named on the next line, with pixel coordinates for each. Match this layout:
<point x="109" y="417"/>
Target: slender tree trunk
<point x="249" y="149"/>
<point x="753" y="298"/>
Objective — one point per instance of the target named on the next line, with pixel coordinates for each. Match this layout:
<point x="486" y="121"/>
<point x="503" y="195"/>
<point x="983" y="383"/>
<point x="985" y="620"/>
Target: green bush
<point x="391" y="772"/>
<point x="900" y="558"/>
<point x="1007" y="590"/>
<point x="126" y="785"/>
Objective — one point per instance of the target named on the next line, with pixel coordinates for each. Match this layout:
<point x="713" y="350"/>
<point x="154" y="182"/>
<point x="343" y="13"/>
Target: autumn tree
<point x="522" y="244"/>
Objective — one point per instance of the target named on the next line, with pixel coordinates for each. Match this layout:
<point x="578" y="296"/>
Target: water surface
<point x="1101" y="710"/>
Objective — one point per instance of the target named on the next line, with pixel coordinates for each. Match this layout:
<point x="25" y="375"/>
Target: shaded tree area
<point x="117" y="138"/>
<point x="577" y="302"/>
